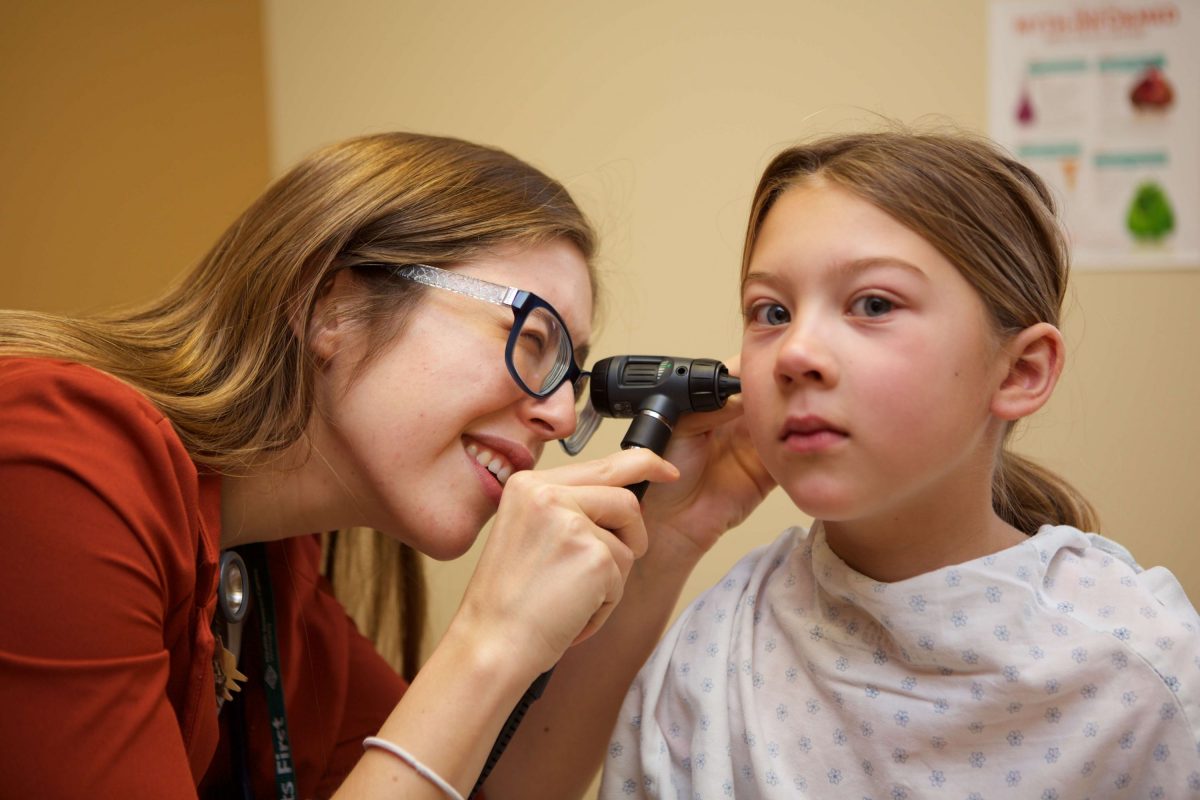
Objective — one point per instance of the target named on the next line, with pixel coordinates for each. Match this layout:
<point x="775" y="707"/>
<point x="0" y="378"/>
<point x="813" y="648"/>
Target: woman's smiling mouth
<point x="495" y="463"/>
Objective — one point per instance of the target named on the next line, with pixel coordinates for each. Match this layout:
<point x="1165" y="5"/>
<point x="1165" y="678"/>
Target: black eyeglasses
<point x="539" y="355"/>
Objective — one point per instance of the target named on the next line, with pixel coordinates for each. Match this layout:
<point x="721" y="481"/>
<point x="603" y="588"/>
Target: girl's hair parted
<point x="991" y="217"/>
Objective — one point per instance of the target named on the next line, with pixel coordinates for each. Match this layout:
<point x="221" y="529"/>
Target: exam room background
<point x="135" y="131"/>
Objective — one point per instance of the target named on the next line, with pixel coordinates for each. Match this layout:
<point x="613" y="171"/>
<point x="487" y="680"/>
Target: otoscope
<point x="654" y="391"/>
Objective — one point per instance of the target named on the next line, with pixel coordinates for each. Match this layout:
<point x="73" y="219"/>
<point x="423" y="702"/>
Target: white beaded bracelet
<point x="422" y="770"/>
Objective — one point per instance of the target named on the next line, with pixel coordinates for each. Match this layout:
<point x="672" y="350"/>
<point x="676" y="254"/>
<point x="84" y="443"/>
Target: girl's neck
<point x="899" y="545"/>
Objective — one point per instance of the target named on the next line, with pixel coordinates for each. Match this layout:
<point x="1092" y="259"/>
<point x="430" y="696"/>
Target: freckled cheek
<point x="761" y="402"/>
<point x="758" y="381"/>
<point x="763" y="423"/>
<point x="896" y="396"/>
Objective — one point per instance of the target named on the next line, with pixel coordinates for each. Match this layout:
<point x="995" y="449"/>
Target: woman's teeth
<point x="491" y="461"/>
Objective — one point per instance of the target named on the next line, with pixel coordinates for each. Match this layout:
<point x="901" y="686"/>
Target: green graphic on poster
<point x="1150" y="217"/>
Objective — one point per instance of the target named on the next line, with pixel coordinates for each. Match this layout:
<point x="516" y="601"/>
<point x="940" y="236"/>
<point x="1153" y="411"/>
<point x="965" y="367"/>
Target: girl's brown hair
<point x="223" y="353"/>
<point x="990" y="216"/>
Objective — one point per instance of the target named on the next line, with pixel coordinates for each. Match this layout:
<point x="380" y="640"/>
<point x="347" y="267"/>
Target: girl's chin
<point x="824" y="503"/>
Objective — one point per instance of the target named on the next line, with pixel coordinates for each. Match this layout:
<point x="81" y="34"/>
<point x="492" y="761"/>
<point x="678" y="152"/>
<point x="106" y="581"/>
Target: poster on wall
<point x="1100" y="98"/>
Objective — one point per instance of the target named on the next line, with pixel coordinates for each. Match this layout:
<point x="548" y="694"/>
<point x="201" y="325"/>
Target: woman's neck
<point x="290" y="494"/>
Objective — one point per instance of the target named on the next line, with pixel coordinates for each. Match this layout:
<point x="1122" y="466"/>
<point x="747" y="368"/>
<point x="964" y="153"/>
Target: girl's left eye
<point x="872" y="305"/>
<point x="768" y="314"/>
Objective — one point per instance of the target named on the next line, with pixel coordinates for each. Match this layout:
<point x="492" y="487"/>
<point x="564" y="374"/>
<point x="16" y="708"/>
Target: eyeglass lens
<point x="541" y="356"/>
<point x="542" y="353"/>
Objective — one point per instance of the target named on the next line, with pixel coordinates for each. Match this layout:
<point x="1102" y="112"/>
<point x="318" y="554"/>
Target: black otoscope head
<point x="653" y="391"/>
<point x="622" y="386"/>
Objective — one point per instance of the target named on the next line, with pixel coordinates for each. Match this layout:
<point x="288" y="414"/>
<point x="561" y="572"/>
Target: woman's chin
<point x="448" y="551"/>
<point x="449" y="540"/>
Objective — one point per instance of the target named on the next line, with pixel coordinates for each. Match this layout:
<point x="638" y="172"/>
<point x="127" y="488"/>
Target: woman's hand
<point x="722" y="479"/>
<point x="555" y="563"/>
<point x="565" y="734"/>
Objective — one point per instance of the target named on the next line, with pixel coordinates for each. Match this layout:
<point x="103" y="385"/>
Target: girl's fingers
<point x="694" y="424"/>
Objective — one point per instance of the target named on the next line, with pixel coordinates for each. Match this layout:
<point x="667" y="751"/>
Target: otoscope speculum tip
<point x="728" y="385"/>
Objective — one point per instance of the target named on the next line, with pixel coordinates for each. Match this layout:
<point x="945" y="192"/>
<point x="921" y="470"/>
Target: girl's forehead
<point x="826" y="233"/>
<point x="817" y="223"/>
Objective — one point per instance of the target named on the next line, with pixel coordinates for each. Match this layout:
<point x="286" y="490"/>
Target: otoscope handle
<point x="654" y="391"/>
<point x="510" y="727"/>
<point x="650" y="430"/>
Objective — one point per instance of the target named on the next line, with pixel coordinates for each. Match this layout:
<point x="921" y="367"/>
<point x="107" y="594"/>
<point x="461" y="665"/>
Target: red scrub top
<point x="110" y="540"/>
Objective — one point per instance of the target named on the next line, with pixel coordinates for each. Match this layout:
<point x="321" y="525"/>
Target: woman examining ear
<point x="388" y="338"/>
<point x="951" y="625"/>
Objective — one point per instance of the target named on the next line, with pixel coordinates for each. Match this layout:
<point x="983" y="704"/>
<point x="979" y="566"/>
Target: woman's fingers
<point x="622" y="468"/>
<point x="616" y="514"/>
<point x="561" y="547"/>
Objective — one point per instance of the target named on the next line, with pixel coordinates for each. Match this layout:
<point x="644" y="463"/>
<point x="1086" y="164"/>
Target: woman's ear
<point x="1034" y="358"/>
<point x="326" y="328"/>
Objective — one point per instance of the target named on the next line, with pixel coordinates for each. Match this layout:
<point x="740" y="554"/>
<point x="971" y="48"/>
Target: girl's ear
<point x="326" y="329"/>
<point x="1035" y="360"/>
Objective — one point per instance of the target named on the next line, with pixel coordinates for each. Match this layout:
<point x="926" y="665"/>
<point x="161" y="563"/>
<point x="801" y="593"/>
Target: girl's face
<point x="868" y="362"/>
<point x="405" y="437"/>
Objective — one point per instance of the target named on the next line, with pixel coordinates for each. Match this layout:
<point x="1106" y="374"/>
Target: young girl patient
<point x="946" y="628"/>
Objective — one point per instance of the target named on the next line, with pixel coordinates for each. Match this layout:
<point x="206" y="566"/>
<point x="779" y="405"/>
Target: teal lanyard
<point x="272" y="672"/>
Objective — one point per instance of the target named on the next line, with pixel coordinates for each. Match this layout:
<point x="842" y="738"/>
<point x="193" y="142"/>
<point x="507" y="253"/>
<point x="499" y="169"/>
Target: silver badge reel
<point x="233" y="601"/>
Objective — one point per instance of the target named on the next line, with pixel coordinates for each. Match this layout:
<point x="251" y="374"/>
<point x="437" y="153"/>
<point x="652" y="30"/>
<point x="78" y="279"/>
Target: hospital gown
<point x="1053" y="669"/>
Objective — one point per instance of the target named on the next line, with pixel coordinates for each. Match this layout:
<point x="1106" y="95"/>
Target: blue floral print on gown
<point x="1054" y="669"/>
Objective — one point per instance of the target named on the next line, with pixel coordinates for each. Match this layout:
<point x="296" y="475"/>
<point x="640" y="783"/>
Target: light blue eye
<point x="872" y="306"/>
<point x="770" y="314"/>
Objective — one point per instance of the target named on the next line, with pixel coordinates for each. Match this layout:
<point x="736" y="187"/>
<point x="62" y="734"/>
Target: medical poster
<point x="1100" y="99"/>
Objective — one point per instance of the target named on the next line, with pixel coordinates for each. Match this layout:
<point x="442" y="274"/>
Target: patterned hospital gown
<point x="1054" y="669"/>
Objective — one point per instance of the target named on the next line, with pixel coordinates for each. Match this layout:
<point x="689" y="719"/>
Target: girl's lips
<point x="813" y="442"/>
<point x="810" y="434"/>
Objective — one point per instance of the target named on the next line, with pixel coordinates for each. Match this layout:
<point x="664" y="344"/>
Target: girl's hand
<point x="555" y="563"/>
<point x="722" y="481"/>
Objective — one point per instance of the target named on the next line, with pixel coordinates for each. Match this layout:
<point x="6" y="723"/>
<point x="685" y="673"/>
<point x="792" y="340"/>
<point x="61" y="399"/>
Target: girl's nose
<point x="806" y="356"/>
<point x="554" y="415"/>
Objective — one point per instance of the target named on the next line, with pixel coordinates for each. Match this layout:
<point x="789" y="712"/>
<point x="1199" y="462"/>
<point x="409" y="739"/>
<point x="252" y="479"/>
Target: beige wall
<point x="133" y="132"/>
<point x="660" y="115"/>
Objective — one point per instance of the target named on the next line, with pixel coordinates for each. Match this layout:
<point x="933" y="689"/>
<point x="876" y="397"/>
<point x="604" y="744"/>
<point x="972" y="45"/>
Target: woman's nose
<point x="806" y="356"/>
<point x="553" y="415"/>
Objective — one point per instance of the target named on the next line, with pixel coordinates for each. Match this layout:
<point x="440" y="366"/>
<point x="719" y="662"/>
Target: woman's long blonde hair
<point x="223" y="352"/>
<point x="991" y="217"/>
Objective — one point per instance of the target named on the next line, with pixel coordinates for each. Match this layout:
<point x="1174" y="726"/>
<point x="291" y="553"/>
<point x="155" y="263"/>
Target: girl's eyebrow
<point x="768" y="278"/>
<point x="846" y="269"/>
<point x="860" y="265"/>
